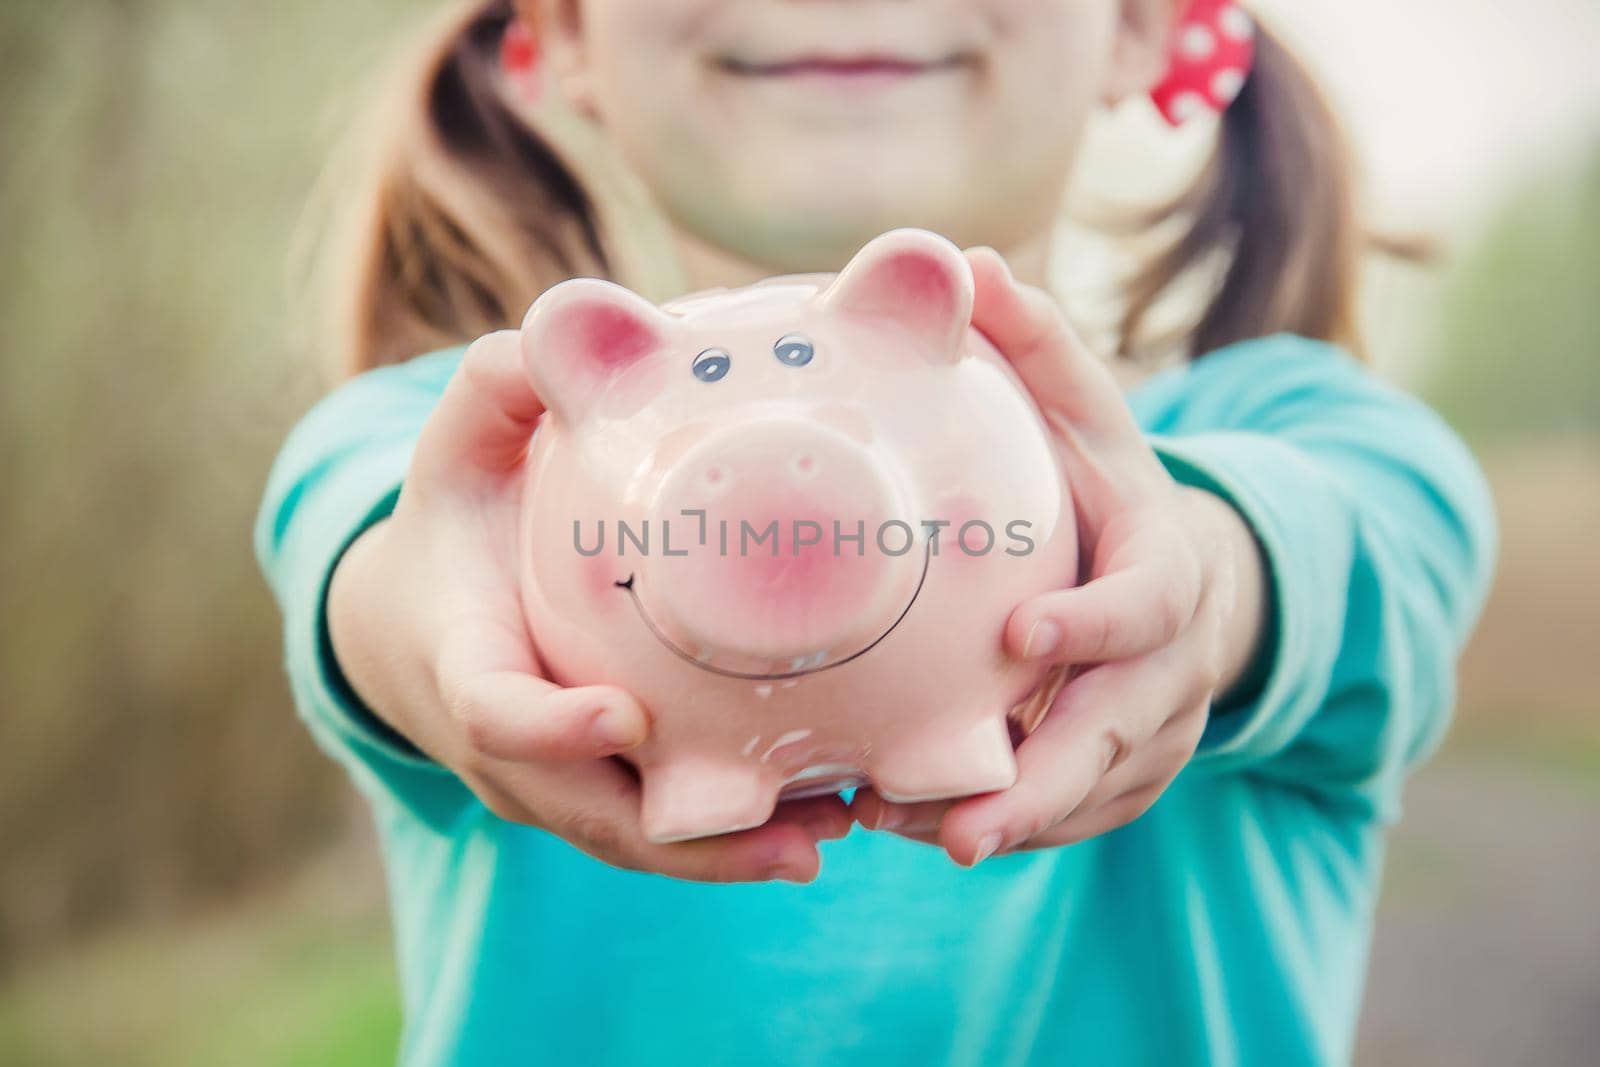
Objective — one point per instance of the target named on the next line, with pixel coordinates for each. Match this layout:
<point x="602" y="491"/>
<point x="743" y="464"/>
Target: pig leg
<point x="945" y="761"/>
<point x="687" y="798"/>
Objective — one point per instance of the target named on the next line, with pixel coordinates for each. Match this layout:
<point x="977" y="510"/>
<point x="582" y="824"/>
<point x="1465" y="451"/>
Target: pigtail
<point x="1276" y="207"/>
<point x="467" y="214"/>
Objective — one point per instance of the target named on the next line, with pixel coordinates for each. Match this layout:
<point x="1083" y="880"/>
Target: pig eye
<point x="793" y="350"/>
<point x="712" y="365"/>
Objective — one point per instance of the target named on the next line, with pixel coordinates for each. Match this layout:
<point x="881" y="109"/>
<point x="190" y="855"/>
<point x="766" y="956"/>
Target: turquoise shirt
<point x="1230" y="924"/>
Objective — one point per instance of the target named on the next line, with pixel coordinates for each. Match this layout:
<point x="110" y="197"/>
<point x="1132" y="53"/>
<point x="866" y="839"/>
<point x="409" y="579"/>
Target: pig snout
<point x="785" y="553"/>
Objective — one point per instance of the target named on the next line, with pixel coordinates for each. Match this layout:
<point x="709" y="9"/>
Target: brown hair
<point x="469" y="214"/>
<point x="1276" y="206"/>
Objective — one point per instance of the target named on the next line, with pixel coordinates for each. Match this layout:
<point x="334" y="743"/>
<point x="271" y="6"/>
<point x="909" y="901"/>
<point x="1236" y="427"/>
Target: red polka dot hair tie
<point x="519" y="51"/>
<point x="1212" y="47"/>
<point x="519" y="58"/>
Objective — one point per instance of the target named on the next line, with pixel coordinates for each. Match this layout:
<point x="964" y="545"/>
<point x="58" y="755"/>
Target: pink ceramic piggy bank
<point x="792" y="520"/>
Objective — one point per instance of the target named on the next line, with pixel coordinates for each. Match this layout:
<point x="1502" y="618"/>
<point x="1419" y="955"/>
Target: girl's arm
<point x="387" y="533"/>
<point x="1379" y="534"/>
<point x="1286" y="562"/>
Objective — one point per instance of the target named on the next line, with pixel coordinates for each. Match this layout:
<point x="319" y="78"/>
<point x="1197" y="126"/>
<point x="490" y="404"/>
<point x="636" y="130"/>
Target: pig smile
<point x="801" y="665"/>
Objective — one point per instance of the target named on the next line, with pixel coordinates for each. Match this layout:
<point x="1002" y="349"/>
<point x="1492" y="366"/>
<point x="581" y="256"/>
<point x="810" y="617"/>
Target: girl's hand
<point x="427" y="624"/>
<point x="1168" y="617"/>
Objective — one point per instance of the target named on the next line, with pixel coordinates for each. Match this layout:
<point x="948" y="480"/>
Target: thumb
<point x="483" y="422"/>
<point x="1030" y="331"/>
<point x="513" y="716"/>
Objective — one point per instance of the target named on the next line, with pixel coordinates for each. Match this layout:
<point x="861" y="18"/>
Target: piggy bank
<point x="792" y="520"/>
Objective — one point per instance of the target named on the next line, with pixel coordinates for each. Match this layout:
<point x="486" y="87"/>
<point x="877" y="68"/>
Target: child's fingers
<point x="595" y="806"/>
<point x="869" y="809"/>
<point x="1112" y="815"/>
<point x="1133" y="788"/>
<point x="1097" y="720"/>
<point x="1153" y="766"/>
<point x="490" y="688"/>
<point x="486" y="416"/>
<point x="511" y="715"/>
<point x="827" y="818"/>
<point x="1029" y="329"/>
<point x="1122" y="614"/>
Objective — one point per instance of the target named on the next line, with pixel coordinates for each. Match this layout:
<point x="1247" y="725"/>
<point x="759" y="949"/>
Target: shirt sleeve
<point x="338" y="473"/>
<point x="1379" y="534"/>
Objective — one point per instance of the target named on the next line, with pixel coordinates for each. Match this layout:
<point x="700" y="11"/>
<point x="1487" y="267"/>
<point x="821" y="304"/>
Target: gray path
<point x="1488" y="940"/>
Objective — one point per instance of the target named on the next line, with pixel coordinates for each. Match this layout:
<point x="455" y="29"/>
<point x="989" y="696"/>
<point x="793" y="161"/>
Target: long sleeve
<point x="339" y="472"/>
<point x="1380" y="539"/>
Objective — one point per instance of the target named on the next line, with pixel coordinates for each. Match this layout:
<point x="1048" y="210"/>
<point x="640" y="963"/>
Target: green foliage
<point x="278" y="985"/>
<point x="155" y="157"/>
<point x="1519" y="355"/>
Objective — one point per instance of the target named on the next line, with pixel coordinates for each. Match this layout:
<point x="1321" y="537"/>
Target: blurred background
<point x="186" y="880"/>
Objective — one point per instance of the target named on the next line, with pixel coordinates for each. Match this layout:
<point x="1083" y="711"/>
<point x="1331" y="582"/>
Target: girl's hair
<point x="466" y="214"/>
<point x="469" y="214"/>
<point x="1276" y="205"/>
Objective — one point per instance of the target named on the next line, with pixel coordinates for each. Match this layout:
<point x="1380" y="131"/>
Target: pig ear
<point x="914" y="278"/>
<point x="580" y="335"/>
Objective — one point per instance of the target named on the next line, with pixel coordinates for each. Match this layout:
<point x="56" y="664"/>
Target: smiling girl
<point x="1283" y="556"/>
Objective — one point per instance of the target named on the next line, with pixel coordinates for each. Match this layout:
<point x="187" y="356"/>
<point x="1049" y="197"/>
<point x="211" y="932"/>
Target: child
<point x="1283" y="558"/>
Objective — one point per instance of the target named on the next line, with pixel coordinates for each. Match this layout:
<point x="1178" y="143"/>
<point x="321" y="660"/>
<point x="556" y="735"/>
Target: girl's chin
<point x="800" y="231"/>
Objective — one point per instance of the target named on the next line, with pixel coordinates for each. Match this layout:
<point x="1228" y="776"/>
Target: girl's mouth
<point x="855" y="71"/>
